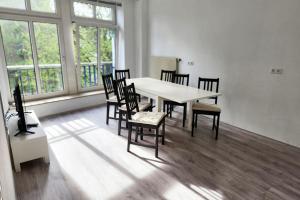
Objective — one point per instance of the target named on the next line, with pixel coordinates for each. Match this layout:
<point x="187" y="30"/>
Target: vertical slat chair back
<point x="119" y="74"/>
<point x="131" y="100"/>
<point x="108" y="85"/>
<point x="182" y="79"/>
<point x="209" y="84"/>
<point x="167" y="75"/>
<point x="119" y="85"/>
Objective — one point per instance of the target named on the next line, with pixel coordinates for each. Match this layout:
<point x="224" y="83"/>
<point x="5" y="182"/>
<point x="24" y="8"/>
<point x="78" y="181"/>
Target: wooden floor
<point x="89" y="161"/>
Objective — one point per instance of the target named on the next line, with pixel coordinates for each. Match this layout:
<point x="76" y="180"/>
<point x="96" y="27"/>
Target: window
<point x="47" y="6"/>
<point x="16" y="4"/>
<point x="32" y="54"/>
<point x="94" y="10"/>
<point x="44" y="6"/>
<point x="83" y="10"/>
<point x="48" y="57"/>
<point x="96" y="54"/>
<point x="104" y="13"/>
<point x="18" y="55"/>
<point x="95" y="42"/>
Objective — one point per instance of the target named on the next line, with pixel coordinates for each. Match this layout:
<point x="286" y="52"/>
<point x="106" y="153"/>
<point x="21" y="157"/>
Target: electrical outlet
<point x="276" y="71"/>
<point x="191" y="63"/>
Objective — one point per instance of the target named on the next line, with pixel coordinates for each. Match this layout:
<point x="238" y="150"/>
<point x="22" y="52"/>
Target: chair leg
<point x="184" y="115"/>
<point x="171" y="109"/>
<point x="217" y="129"/>
<point x="163" y="132"/>
<point x="193" y="124"/>
<point x="115" y="113"/>
<point x="129" y="137"/>
<point x="164" y="107"/>
<point x="136" y="133"/>
<point x="196" y="121"/>
<point x="156" y="142"/>
<point x="214" y="122"/>
<point x="142" y="133"/>
<point x="107" y="113"/>
<point x="120" y="123"/>
<point x="126" y="120"/>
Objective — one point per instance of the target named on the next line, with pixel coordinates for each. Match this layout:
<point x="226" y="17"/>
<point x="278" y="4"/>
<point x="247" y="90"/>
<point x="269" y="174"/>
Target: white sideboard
<point x="26" y="147"/>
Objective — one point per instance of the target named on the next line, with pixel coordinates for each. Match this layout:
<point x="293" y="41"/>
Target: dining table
<point x="162" y="90"/>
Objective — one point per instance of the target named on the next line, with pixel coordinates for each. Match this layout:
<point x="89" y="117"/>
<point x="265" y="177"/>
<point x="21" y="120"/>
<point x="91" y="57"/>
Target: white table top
<point x="170" y="91"/>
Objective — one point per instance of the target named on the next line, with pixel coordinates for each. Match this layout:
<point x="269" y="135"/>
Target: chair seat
<point x="151" y="118"/>
<point x="142" y="106"/>
<point x="206" y="107"/>
<point x="113" y="99"/>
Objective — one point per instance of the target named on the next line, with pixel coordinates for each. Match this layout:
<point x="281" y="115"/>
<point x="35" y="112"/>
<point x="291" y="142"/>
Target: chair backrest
<point x="119" y="85"/>
<point x="108" y="84"/>
<point x="167" y="75"/>
<point x="124" y="73"/>
<point x="182" y="79"/>
<point x="131" y="99"/>
<point x="209" y="84"/>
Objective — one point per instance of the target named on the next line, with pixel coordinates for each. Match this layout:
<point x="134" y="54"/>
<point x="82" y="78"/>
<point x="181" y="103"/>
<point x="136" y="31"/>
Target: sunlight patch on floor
<point x="88" y="170"/>
<point x="86" y="153"/>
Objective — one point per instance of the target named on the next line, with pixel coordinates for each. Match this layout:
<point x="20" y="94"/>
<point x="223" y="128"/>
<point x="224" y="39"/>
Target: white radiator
<point x="158" y="63"/>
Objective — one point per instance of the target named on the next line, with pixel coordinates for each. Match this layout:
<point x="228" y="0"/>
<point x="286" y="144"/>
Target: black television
<point x="22" y="126"/>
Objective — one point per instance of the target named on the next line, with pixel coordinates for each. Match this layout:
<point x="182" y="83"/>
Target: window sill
<point x="62" y="98"/>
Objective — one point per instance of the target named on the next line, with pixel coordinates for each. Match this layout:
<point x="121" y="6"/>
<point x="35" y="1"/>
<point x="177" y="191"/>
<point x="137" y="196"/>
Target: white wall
<point x="238" y="41"/>
<point x="128" y="7"/>
<point x="6" y="175"/>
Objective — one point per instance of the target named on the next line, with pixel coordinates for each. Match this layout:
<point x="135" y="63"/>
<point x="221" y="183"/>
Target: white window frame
<point x="78" y="63"/>
<point x="30" y="21"/>
<point x="29" y="12"/>
<point x="94" y="19"/>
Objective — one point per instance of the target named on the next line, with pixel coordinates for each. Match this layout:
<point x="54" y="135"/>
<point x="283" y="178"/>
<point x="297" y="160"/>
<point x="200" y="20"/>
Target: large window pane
<point x="48" y="52"/>
<point x="18" y="4"/>
<point x="18" y="55"/>
<point x="107" y="50"/>
<point x="104" y="13"/>
<point x="88" y="56"/>
<point x="43" y="5"/>
<point x="83" y="10"/>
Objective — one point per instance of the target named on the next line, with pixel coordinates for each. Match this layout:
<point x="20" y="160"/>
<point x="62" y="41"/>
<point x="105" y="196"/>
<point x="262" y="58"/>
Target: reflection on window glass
<point x="18" y="55"/>
<point x="104" y="13"/>
<point x="43" y="5"/>
<point x="88" y="56"/>
<point x="18" y="4"/>
<point x="48" y="53"/>
<point x="83" y="10"/>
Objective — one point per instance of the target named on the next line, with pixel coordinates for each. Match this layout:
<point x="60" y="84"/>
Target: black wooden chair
<point x="182" y="79"/>
<point x="212" y="85"/>
<point x="140" y="120"/>
<point x="122" y="73"/>
<point x="167" y="75"/>
<point x="119" y="91"/>
<point x="111" y="99"/>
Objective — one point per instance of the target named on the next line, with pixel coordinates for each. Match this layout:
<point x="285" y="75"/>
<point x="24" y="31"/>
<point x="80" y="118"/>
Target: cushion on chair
<point x="206" y="107"/>
<point x="112" y="99"/>
<point x="151" y="118"/>
<point x="142" y="106"/>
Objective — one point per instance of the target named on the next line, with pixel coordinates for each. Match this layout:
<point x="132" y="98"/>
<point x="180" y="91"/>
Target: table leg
<point x="46" y="159"/>
<point x="158" y="104"/>
<point x="17" y="167"/>
<point x="189" y="115"/>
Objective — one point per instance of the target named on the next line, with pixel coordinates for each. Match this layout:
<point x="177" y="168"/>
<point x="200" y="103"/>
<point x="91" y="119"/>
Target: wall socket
<point x="276" y="71"/>
<point x="191" y="63"/>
